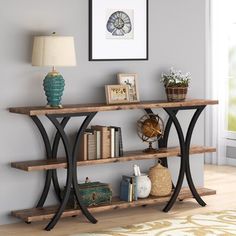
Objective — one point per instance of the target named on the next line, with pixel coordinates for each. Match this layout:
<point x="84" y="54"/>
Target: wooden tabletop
<point x="95" y="107"/>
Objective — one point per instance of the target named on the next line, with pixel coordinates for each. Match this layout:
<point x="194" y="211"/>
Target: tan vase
<point x="161" y="181"/>
<point x="176" y="93"/>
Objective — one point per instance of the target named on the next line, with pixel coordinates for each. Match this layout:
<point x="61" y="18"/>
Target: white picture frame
<point x="118" y="30"/>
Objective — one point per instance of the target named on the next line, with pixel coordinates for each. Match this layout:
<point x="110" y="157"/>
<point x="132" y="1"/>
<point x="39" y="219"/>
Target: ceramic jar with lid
<point x="143" y="186"/>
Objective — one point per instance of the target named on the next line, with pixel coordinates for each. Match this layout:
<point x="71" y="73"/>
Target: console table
<point x="52" y="162"/>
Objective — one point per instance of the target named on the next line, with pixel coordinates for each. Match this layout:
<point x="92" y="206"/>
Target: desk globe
<point x="150" y="129"/>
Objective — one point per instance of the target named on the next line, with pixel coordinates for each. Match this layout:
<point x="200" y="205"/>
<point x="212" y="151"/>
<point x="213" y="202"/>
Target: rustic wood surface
<point x="128" y="156"/>
<point x="83" y="108"/>
<point x="39" y="214"/>
<point x="221" y="178"/>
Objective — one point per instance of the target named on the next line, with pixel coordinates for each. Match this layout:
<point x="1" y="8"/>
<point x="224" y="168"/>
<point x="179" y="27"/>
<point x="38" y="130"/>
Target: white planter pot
<point x="143" y="186"/>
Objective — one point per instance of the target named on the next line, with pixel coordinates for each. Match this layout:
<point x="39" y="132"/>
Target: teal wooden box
<point x="93" y="194"/>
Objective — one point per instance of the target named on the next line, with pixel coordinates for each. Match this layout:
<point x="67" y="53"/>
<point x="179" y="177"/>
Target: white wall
<point x="177" y="38"/>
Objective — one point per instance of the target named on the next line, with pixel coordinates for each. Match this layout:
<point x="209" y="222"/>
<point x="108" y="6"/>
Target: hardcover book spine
<point x="105" y="141"/>
<point x="91" y="146"/>
<point x="124" y="190"/>
<point x="83" y="148"/>
<point x="98" y="143"/>
<point x="112" y="140"/>
<point x="130" y="189"/>
<point x="121" y="153"/>
<point x="130" y="192"/>
<point x="117" y="143"/>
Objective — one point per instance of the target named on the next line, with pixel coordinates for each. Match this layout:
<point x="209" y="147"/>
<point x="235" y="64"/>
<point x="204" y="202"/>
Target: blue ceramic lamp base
<point x="54" y="86"/>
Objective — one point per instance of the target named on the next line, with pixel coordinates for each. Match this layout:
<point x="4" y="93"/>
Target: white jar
<point x="143" y="186"/>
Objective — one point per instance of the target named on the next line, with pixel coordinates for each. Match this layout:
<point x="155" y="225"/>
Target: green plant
<point x="175" y="79"/>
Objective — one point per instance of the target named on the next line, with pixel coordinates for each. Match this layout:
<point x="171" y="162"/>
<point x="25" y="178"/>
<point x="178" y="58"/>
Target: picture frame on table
<point x="130" y="80"/>
<point x="118" y="30"/>
<point x="117" y="94"/>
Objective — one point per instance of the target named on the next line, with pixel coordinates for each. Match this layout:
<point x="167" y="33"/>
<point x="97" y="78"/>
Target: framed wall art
<point x="131" y="81"/>
<point x="118" y="30"/>
<point x="116" y="94"/>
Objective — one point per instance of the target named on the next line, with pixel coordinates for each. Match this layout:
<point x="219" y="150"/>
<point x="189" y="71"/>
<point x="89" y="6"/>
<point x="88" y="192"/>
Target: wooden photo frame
<point x="116" y="94"/>
<point x="131" y="81"/>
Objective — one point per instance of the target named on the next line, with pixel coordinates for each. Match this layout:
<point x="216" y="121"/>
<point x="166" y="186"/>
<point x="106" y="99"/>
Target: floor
<point x="220" y="178"/>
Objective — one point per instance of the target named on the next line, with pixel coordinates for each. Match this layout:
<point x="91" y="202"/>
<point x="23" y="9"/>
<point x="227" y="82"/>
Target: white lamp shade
<point x="53" y="51"/>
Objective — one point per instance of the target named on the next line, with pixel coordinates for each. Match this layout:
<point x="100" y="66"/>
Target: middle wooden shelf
<point x="128" y="156"/>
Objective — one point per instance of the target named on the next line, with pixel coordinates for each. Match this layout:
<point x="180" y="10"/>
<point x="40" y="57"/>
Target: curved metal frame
<point x="69" y="160"/>
<point x="187" y="144"/>
<point x="71" y="180"/>
<point x="54" y="155"/>
<point x="50" y="153"/>
<point x="74" y="180"/>
<point x="184" y="150"/>
<point x="182" y="160"/>
<point x="51" y="175"/>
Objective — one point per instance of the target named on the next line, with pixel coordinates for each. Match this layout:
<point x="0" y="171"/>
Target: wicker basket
<point x="176" y="93"/>
<point x="161" y="181"/>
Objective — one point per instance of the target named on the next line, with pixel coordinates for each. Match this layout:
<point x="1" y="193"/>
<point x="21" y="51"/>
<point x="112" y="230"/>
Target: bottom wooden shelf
<point x="45" y="213"/>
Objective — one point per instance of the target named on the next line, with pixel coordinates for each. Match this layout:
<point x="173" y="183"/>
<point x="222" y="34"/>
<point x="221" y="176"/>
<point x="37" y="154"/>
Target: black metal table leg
<point x="68" y="151"/>
<point x="75" y="181"/>
<point x="184" y="150"/>
<point x="51" y="153"/>
<point x="177" y="189"/>
<point x="49" y="156"/>
<point x="162" y="143"/>
<point x="187" y="143"/>
<point x="54" y="155"/>
<point x="71" y="167"/>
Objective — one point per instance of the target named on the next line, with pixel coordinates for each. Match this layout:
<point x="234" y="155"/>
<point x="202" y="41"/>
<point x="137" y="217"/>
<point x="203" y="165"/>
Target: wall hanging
<point x="118" y="30"/>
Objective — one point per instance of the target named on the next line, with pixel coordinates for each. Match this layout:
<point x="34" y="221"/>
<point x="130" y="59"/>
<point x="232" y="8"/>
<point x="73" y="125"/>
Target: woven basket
<point x="161" y="181"/>
<point x="176" y="93"/>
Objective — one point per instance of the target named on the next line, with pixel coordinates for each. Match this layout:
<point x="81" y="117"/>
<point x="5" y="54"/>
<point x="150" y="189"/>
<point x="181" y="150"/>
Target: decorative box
<point x="93" y="193"/>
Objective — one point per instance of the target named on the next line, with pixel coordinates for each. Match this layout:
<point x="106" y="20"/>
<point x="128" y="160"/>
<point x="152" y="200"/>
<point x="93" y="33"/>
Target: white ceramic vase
<point x="143" y="186"/>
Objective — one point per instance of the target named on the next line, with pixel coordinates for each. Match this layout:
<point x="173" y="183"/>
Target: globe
<point x="150" y="129"/>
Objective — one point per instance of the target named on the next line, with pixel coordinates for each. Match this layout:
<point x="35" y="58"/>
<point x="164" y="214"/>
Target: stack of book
<point x="100" y="142"/>
<point x="128" y="188"/>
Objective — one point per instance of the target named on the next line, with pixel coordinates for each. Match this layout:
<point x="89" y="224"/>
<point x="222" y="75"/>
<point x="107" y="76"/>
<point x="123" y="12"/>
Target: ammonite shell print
<point x="119" y="23"/>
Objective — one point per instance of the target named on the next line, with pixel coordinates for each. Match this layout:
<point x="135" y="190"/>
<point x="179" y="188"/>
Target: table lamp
<point x="53" y="51"/>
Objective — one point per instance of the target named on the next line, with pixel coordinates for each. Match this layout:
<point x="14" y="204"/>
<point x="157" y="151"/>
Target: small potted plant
<point x="176" y="84"/>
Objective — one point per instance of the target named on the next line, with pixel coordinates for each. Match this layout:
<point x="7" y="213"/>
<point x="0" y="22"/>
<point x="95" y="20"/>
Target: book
<point x="118" y="142"/>
<point x="112" y="141"/>
<point x="105" y="140"/>
<point x="97" y="134"/>
<point x="121" y="153"/>
<point x="131" y="192"/>
<point x="83" y="148"/>
<point x="91" y="146"/>
<point x="133" y="180"/>
<point x="125" y="190"/>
